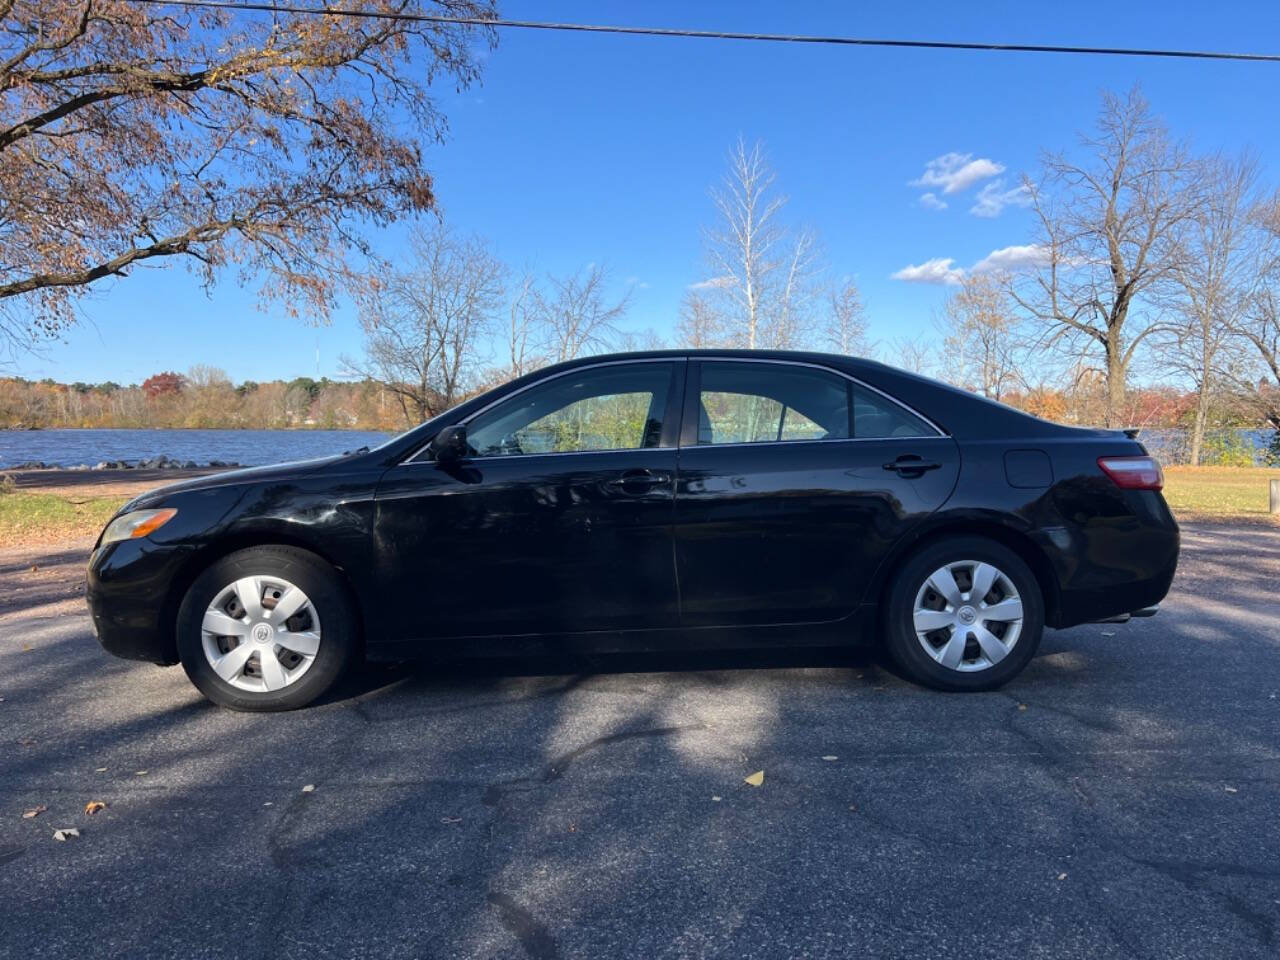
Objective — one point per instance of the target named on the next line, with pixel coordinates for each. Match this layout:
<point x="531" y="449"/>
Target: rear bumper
<point x="130" y="600"/>
<point x="1117" y="565"/>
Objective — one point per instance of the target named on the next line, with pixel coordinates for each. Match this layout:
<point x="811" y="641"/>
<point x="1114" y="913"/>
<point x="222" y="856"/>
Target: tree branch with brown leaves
<point x="268" y="142"/>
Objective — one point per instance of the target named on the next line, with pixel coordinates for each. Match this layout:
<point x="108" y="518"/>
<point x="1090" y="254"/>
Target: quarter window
<point x="617" y="407"/>
<point x="875" y="416"/>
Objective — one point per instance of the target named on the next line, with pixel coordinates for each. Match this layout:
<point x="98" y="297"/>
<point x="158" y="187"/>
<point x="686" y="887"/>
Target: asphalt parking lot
<point x="1121" y="799"/>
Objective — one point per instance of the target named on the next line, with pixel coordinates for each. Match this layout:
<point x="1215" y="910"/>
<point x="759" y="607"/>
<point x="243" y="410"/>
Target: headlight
<point x="136" y="523"/>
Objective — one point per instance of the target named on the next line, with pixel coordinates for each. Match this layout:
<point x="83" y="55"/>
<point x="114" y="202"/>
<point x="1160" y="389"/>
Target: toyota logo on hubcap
<point x="967" y="614"/>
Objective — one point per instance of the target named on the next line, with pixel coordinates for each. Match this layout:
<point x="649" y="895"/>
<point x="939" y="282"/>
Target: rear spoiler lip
<point x="1131" y="432"/>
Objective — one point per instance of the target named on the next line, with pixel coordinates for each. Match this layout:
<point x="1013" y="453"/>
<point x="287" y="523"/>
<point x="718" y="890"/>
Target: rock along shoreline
<point x="149" y="463"/>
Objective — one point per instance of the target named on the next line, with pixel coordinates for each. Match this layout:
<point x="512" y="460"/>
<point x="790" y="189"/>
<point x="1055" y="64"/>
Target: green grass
<point x="1218" y="491"/>
<point x="35" y="518"/>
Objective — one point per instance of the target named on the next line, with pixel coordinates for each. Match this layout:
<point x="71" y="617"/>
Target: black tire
<point x="338" y="645"/>
<point x="900" y="635"/>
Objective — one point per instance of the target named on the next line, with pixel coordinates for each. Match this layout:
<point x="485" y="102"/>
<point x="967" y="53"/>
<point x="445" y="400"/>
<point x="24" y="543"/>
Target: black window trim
<point x="686" y="434"/>
<point x="693" y="392"/>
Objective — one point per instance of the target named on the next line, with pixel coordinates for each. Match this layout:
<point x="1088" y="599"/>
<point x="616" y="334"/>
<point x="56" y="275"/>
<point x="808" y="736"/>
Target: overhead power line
<point x="720" y="34"/>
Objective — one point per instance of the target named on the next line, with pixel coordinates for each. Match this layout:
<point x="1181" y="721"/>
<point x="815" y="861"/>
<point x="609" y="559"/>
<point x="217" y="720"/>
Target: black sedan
<point x="667" y="499"/>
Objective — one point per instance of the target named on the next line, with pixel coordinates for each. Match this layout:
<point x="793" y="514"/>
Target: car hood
<point x="227" y="478"/>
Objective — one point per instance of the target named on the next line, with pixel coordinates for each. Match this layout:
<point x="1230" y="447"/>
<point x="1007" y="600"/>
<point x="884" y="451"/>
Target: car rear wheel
<point x="964" y="613"/>
<point x="266" y="628"/>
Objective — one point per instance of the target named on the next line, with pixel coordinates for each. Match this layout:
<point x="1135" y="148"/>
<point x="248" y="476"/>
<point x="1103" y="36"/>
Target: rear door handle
<point x="909" y="465"/>
<point x="638" y="481"/>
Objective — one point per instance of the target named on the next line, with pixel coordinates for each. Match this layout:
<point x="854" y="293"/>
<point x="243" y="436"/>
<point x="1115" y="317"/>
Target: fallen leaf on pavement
<point x="1231" y="789"/>
<point x="829" y="757"/>
<point x="309" y="788"/>
<point x="1022" y="707"/>
<point x="34" y="812"/>
<point x="140" y="773"/>
<point x="93" y="806"/>
<point x="756" y="779"/>
<point x="715" y="799"/>
<point x="63" y="834"/>
<point x="1062" y="876"/>
<point x="450" y="819"/>
<point x="26" y="742"/>
<point x="99" y="769"/>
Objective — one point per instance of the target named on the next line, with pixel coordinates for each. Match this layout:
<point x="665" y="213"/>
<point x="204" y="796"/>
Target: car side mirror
<point x="449" y="444"/>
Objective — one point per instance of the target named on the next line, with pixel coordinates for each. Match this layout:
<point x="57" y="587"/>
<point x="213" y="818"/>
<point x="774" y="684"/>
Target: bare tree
<point x="1215" y="277"/>
<point x="765" y="277"/>
<point x="793" y="319"/>
<point x="914" y="354"/>
<point x="700" y="325"/>
<point x="981" y="336"/>
<point x="1260" y="328"/>
<point x="523" y="343"/>
<point x="576" y="315"/>
<point x="426" y="324"/>
<point x="846" y="327"/>
<point x="136" y="134"/>
<point x="636" y="340"/>
<point x="1109" y="229"/>
<point x="742" y="247"/>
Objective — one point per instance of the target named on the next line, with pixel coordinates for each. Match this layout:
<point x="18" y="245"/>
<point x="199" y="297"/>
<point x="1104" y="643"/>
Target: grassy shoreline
<point x="41" y="513"/>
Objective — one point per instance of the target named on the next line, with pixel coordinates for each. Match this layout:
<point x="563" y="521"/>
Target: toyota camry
<point x="660" y="500"/>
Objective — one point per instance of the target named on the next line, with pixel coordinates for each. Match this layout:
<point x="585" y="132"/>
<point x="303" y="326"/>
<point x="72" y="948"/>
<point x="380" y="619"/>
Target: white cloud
<point x="943" y="271"/>
<point x="954" y="172"/>
<point x="930" y="201"/>
<point x="714" y="283"/>
<point x="937" y="270"/>
<point x="1012" y="259"/>
<point x="993" y="198"/>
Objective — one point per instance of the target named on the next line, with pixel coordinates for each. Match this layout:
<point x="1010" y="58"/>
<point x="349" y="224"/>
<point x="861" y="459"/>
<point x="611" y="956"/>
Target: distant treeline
<point x="205" y="397"/>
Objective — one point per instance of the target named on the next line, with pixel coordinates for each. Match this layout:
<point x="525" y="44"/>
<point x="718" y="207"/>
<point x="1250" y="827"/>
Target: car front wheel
<point x="965" y="613"/>
<point x="267" y="628"/>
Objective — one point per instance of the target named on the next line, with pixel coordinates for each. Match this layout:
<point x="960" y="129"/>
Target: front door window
<point x="612" y="407"/>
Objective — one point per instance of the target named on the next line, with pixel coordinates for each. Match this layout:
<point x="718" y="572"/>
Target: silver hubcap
<point x="968" y="615"/>
<point x="261" y="634"/>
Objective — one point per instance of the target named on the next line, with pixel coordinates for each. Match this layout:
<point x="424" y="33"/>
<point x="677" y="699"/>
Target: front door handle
<point x="638" y="481"/>
<point x="910" y="465"/>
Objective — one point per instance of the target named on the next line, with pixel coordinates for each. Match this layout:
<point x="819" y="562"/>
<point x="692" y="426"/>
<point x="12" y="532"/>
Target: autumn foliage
<point x="132" y="132"/>
<point x="160" y="384"/>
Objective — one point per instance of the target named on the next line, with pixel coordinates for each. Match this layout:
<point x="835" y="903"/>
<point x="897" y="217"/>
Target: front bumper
<point x="133" y="594"/>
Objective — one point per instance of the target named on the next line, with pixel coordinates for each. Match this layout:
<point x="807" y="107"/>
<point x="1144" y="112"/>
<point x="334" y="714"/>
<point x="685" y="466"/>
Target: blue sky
<point x="580" y="148"/>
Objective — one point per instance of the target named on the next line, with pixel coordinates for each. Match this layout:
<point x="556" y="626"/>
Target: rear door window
<point x="770" y="403"/>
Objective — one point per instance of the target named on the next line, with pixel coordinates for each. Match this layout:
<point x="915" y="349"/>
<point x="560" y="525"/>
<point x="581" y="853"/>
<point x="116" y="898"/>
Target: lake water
<point x="68" y="448"/>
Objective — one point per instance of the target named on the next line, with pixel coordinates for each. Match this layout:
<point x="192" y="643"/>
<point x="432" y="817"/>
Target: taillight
<point x="1133" y="473"/>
